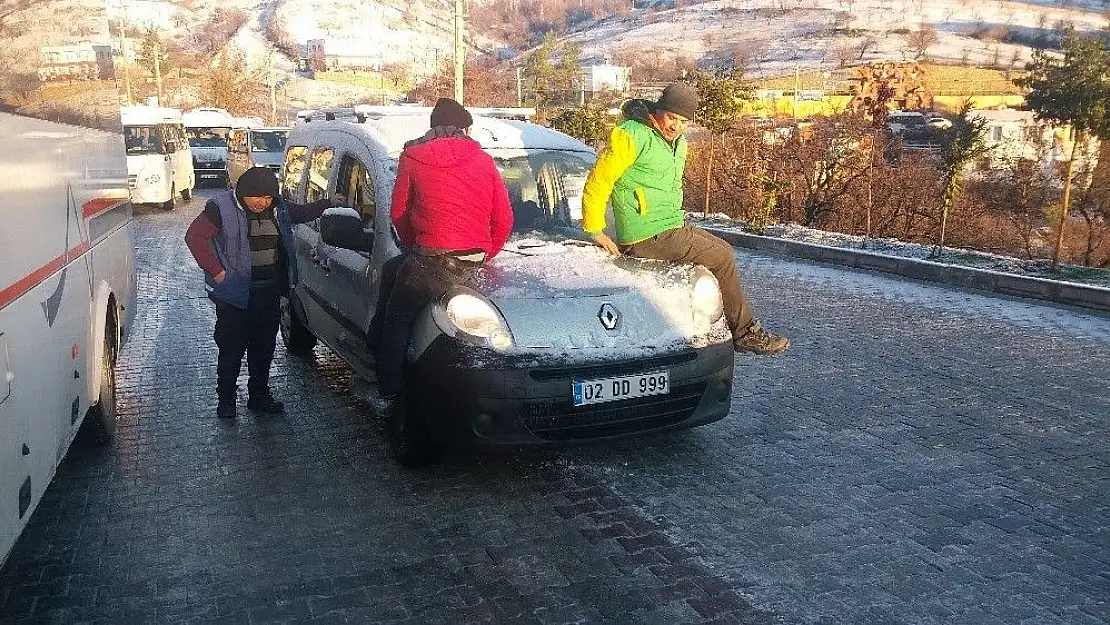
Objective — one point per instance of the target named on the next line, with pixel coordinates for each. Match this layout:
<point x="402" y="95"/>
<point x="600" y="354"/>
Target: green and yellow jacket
<point x="642" y="173"/>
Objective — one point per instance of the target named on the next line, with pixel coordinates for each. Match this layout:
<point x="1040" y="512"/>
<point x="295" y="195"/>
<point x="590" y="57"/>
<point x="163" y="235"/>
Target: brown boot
<point x="756" y="340"/>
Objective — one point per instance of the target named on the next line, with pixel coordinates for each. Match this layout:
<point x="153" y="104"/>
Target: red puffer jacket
<point x="449" y="196"/>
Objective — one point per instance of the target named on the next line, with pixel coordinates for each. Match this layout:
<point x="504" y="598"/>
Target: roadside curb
<point x="1092" y="297"/>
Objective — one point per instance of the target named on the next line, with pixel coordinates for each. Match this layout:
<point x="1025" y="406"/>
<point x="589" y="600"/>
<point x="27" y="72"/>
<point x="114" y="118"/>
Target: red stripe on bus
<point x="98" y="205"/>
<point x="36" y="277"/>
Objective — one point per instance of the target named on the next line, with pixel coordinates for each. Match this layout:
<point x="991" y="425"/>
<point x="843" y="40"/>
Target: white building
<point x="1013" y="135"/>
<point x="606" y="78"/>
<point x="86" y="60"/>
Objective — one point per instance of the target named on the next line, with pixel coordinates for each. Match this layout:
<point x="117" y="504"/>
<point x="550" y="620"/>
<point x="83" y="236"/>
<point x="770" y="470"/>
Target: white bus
<point x="67" y="299"/>
<point x="208" y="130"/>
<point x="159" y="162"/>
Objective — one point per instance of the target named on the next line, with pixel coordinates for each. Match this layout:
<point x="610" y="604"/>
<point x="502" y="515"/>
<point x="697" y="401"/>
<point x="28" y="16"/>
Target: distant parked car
<point x="555" y="342"/>
<point x="898" y="122"/>
<point x="254" y="147"/>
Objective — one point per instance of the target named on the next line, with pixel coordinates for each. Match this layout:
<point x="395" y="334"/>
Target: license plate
<point x="625" y="387"/>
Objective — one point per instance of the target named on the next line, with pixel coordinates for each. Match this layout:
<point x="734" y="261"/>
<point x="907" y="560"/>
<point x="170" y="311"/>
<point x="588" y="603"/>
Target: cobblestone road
<point x="922" y="455"/>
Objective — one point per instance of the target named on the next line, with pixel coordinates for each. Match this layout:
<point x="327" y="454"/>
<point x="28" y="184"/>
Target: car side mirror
<point x="342" y="227"/>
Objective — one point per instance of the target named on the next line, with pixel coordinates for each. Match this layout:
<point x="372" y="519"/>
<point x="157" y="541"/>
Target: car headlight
<point x="477" y="318"/>
<point x="706" y="299"/>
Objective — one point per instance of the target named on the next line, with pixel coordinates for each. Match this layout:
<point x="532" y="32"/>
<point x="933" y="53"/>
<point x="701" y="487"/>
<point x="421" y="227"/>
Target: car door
<point x="350" y="269"/>
<point x="314" y="287"/>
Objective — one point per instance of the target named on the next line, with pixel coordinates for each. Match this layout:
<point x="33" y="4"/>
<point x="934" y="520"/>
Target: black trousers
<point x="251" y="332"/>
<point x="420" y="280"/>
<point x="691" y="244"/>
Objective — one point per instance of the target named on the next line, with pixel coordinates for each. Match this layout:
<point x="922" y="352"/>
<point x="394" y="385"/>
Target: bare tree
<point x="922" y="39"/>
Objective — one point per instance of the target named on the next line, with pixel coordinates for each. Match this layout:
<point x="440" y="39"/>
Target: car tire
<point x="297" y="338"/>
<point x="103" y="412"/>
<point x="171" y="203"/>
<point x="410" y="441"/>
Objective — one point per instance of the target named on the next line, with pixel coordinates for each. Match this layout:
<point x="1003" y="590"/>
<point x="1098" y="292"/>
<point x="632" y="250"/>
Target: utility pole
<point x="519" y="91"/>
<point x="123" y="57"/>
<point x="460" y="48"/>
<point x="158" y="67"/>
<point x="273" y="91"/>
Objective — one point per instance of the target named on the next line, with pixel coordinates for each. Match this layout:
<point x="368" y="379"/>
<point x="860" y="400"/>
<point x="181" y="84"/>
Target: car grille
<point x="609" y="370"/>
<point x="132" y="181"/>
<point x="562" y="421"/>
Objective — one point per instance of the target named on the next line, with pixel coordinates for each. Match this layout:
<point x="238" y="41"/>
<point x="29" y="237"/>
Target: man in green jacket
<point x="641" y="172"/>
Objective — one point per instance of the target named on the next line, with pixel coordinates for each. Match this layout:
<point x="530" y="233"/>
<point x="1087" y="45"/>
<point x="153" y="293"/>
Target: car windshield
<point x="208" y="137"/>
<point x="142" y="140"/>
<point x="545" y="189"/>
<point x="268" y="141"/>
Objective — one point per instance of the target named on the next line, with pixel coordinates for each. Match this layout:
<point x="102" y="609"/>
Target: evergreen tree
<point x="1071" y="88"/>
<point x="721" y="96"/>
<point x="960" y="145"/>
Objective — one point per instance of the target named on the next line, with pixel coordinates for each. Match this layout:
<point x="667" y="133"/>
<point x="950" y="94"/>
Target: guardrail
<point x="1084" y="296"/>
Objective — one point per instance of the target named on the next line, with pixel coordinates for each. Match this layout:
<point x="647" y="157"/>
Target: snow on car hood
<point x="570" y="296"/>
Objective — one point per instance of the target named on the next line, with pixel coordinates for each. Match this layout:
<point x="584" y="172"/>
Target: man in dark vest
<point x="243" y="240"/>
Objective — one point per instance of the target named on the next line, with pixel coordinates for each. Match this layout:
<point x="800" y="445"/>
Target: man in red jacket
<point x="452" y="213"/>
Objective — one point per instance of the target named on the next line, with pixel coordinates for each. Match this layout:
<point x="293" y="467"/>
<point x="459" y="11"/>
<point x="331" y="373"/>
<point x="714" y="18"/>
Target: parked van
<point x="159" y="161"/>
<point x="208" y="130"/>
<point x="255" y="147"/>
<point x="554" y="342"/>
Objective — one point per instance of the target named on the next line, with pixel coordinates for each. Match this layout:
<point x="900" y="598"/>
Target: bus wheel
<point x="298" y="340"/>
<point x="104" y="410"/>
<point x="187" y="194"/>
<point x="171" y="203"/>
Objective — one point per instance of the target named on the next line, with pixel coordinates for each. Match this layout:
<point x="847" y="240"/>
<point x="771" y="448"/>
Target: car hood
<point x="570" y="296"/>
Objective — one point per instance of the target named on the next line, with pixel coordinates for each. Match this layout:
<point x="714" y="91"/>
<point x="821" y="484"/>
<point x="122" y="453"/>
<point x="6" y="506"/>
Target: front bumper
<point x="506" y="402"/>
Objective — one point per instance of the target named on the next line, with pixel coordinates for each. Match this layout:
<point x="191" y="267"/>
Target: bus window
<point x="268" y="141"/>
<point x="142" y="139"/>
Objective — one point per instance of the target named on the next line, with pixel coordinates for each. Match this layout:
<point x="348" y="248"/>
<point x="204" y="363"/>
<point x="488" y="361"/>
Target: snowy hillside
<point x="775" y="36"/>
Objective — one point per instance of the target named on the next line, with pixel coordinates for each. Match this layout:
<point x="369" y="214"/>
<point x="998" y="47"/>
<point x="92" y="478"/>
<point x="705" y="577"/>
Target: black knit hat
<point x="257" y="182"/>
<point x="680" y="98"/>
<point x="448" y="112"/>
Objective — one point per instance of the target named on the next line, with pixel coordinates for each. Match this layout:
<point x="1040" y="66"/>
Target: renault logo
<point x="609" y="316"/>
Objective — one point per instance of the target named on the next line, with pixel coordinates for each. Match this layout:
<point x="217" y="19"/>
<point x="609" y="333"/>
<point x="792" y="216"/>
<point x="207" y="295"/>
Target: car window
<point x="268" y="141"/>
<point x="357" y="186"/>
<point x="545" y="189"/>
<point x="319" y="172"/>
<point x="293" y="170"/>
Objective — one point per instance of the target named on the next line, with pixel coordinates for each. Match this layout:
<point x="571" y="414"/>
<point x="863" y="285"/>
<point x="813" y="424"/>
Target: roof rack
<point x="363" y="112"/>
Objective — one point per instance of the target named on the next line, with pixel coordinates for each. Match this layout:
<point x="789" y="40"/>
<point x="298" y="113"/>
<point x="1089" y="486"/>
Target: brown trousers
<point x="690" y="244"/>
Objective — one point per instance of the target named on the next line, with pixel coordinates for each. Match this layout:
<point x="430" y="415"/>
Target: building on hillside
<point x="358" y="54"/>
<point x="1015" y="135"/>
<point x="605" y="77"/>
<point x="81" y="61"/>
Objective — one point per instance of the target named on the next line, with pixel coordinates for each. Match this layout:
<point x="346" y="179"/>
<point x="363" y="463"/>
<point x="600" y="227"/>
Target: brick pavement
<point x="922" y="455"/>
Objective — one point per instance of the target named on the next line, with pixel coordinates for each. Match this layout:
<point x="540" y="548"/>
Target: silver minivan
<point x="254" y="147"/>
<point x="555" y="341"/>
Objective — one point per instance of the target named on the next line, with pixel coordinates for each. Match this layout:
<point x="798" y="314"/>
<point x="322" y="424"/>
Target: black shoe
<point x="265" y="404"/>
<point x="368" y="390"/>
<point x="759" y="341"/>
<point x="225" y="409"/>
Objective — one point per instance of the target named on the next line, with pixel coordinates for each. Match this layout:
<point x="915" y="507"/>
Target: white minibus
<point x="159" y="162"/>
<point x="208" y="129"/>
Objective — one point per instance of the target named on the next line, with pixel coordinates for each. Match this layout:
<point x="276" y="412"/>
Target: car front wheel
<point x="410" y="442"/>
<point x="297" y="338"/>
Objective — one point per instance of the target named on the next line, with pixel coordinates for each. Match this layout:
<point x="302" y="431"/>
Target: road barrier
<point x="1084" y="296"/>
